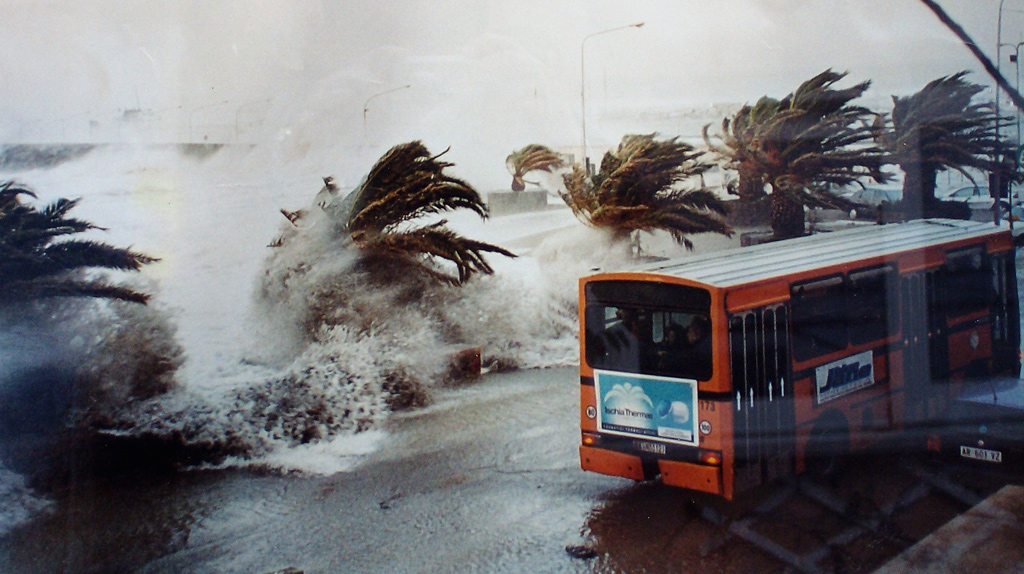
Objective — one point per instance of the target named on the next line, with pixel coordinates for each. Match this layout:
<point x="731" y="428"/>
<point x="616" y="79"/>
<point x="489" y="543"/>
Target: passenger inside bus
<point x="672" y="348"/>
<point x="684" y="348"/>
<point x="697" y="335"/>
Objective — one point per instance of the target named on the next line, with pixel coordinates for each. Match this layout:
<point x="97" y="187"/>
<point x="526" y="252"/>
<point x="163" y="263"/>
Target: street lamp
<point x="996" y="185"/>
<point x="1015" y="58"/>
<point x="583" y="84"/>
<point x="366" y="105"/>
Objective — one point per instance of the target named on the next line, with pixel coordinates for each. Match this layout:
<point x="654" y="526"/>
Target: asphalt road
<point x="485" y="479"/>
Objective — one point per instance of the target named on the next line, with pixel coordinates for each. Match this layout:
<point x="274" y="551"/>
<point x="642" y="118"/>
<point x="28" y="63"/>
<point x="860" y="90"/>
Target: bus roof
<point x="742" y="265"/>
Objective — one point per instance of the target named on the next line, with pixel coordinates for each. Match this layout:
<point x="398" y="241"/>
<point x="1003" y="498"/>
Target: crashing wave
<point x="20" y="503"/>
<point x="341" y="342"/>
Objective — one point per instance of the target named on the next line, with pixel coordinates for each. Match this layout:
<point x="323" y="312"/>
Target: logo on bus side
<point x="845" y="376"/>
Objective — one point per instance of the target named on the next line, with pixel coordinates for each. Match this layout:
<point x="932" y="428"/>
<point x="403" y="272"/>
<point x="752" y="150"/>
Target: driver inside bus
<point x="623" y="340"/>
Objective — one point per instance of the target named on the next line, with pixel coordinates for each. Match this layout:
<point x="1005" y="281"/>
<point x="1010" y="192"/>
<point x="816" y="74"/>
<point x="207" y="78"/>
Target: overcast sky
<point x="491" y="75"/>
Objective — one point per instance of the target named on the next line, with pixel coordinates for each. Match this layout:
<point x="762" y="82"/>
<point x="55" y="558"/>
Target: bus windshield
<point x="664" y="336"/>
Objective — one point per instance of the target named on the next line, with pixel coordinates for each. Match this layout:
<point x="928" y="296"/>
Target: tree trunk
<point x="919" y="191"/>
<point x="750" y="186"/>
<point x="627" y="239"/>
<point x="930" y="204"/>
<point x="787" y="217"/>
<point x="913" y="191"/>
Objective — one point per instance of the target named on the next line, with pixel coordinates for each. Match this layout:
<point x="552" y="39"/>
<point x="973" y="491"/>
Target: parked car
<point x="984" y="428"/>
<point x="875" y="195"/>
<point x="1012" y="213"/>
<point x="977" y="196"/>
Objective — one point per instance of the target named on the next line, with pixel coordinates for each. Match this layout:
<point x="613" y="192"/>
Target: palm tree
<point x="738" y="136"/>
<point x="636" y="189"/>
<point x="407" y="183"/>
<point x="940" y="128"/>
<point x="802" y="146"/>
<point x="533" y="157"/>
<point x="35" y="265"/>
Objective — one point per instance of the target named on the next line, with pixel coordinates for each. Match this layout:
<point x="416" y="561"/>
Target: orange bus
<point x="725" y="371"/>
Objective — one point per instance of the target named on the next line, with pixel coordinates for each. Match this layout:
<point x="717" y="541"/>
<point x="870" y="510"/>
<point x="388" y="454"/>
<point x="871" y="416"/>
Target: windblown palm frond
<point x="740" y="142"/>
<point x="407" y="183"/>
<point x="34" y="265"/>
<point x="803" y="145"/>
<point x="437" y="241"/>
<point x="636" y="189"/>
<point x="941" y="128"/>
<point x="534" y="157"/>
<point x="9" y="193"/>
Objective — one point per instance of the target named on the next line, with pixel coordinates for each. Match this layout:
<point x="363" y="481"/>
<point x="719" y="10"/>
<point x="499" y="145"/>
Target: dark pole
<point x="987" y="63"/>
<point x="993" y="71"/>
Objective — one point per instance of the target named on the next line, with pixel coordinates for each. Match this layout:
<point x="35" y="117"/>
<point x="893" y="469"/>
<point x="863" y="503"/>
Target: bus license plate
<point x="981" y="454"/>
<point x="651" y="447"/>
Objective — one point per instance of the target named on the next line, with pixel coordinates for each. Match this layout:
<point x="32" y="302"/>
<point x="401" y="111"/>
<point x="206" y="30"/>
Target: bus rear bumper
<point x="611" y="462"/>
<point x="692" y="476"/>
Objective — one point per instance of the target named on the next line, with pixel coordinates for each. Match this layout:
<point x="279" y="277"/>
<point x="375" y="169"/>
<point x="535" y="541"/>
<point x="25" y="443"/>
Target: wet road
<point x="486" y="479"/>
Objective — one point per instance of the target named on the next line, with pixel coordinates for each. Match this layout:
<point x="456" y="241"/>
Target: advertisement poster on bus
<point x="658" y="408"/>
<point x="842" y="377"/>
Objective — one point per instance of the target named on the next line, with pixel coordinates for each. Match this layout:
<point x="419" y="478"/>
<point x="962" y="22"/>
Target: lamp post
<point x="996" y="183"/>
<point x="999" y="57"/>
<point x="1015" y="58"/>
<point x="583" y="84"/>
<point x="366" y="105"/>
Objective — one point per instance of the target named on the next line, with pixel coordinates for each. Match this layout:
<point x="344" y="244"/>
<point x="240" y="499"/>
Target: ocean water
<point x="286" y="357"/>
<point x="288" y="370"/>
<point x="18" y="503"/>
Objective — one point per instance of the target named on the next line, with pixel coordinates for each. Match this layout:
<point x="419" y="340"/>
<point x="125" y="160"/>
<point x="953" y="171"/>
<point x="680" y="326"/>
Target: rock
<point x="581" y="552"/>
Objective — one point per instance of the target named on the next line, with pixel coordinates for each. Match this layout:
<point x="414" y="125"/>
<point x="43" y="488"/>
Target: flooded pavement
<point x="486" y="479"/>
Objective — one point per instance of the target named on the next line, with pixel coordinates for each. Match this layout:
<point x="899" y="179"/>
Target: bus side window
<point x="873" y="303"/>
<point x="819" y="317"/>
<point x="965" y="282"/>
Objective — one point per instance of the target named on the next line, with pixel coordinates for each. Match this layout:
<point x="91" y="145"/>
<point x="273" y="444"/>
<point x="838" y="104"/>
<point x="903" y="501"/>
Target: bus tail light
<point x="711" y="457"/>
<point x="934" y="443"/>
<point x="589" y="439"/>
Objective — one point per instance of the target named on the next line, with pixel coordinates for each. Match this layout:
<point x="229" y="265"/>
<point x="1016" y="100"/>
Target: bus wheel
<point x="828" y="447"/>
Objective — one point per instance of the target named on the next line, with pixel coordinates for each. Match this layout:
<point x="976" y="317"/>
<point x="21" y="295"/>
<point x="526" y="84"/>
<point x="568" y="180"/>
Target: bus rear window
<point x="670" y="335"/>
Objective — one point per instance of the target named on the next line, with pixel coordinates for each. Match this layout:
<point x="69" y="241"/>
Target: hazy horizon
<point x="481" y="77"/>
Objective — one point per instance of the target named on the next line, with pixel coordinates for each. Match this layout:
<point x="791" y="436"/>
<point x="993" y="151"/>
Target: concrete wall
<point x="743" y="214"/>
<point x="506" y="202"/>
